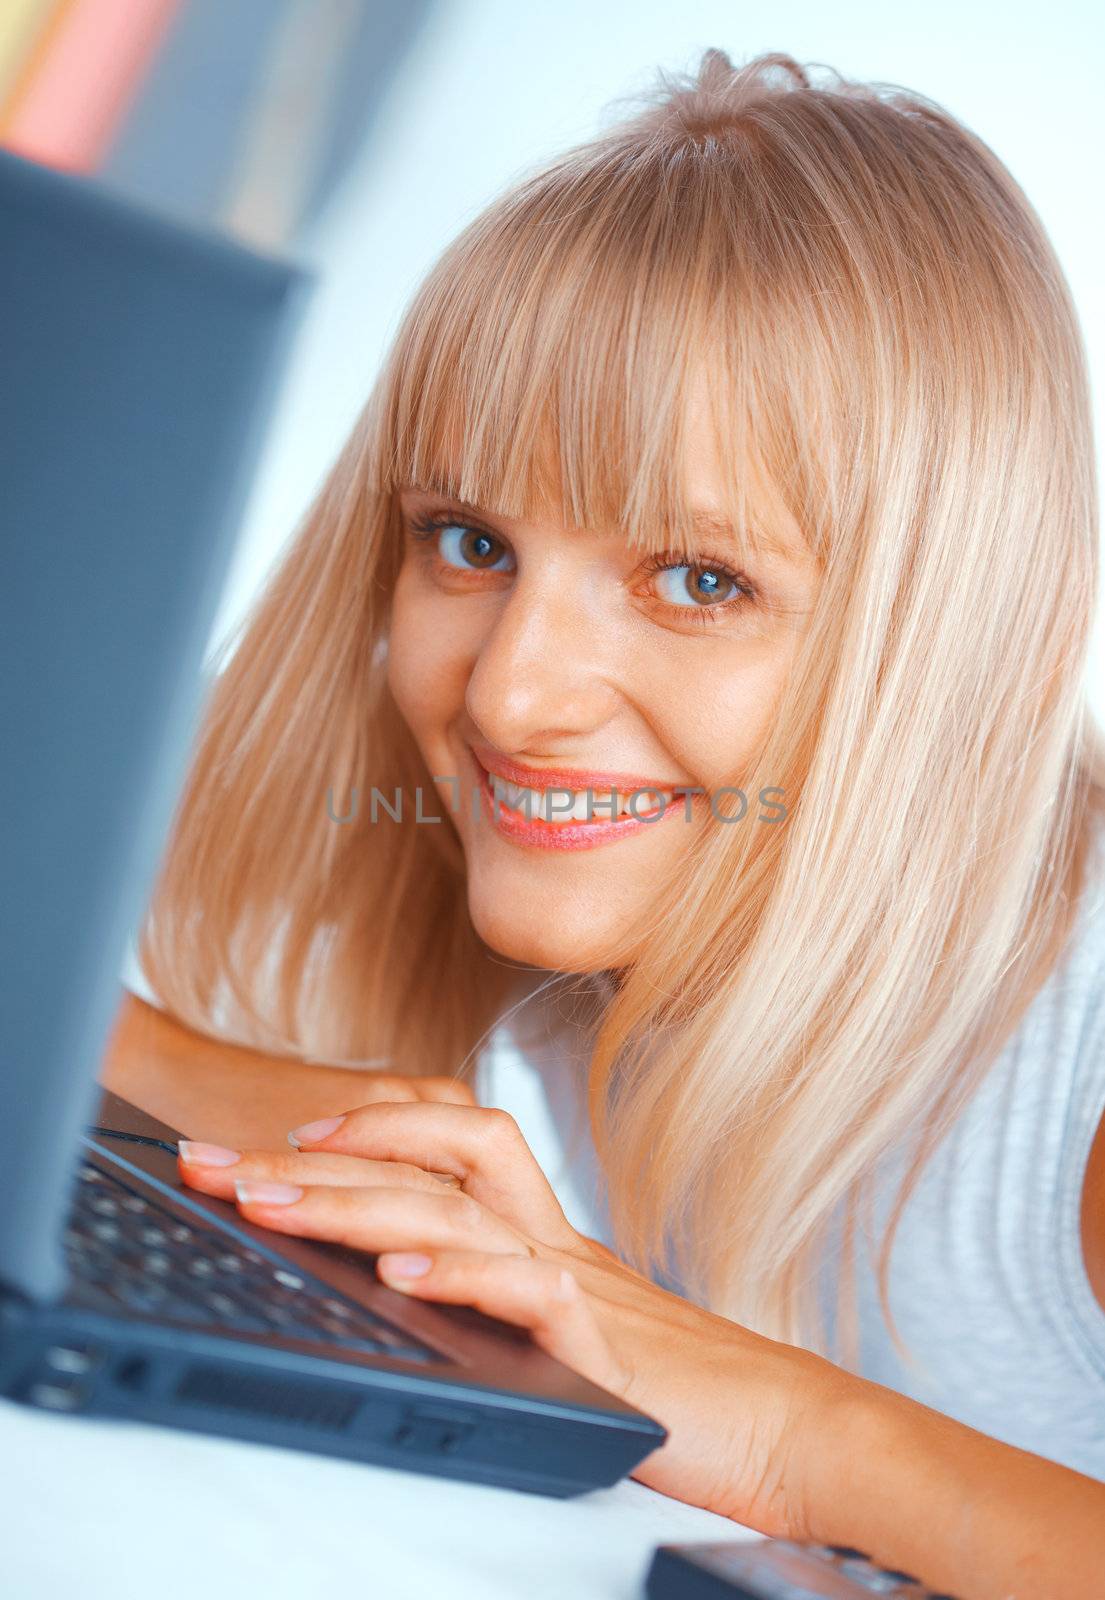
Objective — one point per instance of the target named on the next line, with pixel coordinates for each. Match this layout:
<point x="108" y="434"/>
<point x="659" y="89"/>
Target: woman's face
<point x="562" y="657"/>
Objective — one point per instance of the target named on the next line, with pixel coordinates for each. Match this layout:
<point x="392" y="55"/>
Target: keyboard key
<point x="150" y="1297"/>
<point x="870" y="1578"/>
<point x="57" y="1396"/>
<point x="279" y="1316"/>
<point x="131" y="1252"/>
<point x="70" y="1358"/>
<point x="335" y="1325"/>
<point x="223" y="1304"/>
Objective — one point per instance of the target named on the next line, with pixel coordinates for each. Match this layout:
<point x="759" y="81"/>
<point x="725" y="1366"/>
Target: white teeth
<point x="509" y="794"/>
<point x="532" y="804"/>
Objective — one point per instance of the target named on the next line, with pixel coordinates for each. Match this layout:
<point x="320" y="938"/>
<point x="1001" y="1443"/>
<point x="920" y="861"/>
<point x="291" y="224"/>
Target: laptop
<point x="141" y="358"/>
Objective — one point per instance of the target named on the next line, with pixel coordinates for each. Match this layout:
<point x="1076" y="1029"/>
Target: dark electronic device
<point x="775" y="1569"/>
<point x="140" y="360"/>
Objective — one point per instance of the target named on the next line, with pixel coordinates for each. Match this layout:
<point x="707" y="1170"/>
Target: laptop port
<point x="58" y="1396"/>
<point x="428" y="1437"/>
<point x="73" y="1359"/>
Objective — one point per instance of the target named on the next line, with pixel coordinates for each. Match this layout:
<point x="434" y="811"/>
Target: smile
<point x="561" y="806"/>
<point x="558" y="817"/>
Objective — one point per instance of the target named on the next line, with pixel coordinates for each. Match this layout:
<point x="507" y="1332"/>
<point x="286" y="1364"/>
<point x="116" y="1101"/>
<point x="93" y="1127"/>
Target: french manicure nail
<point x="312" y="1132"/>
<point x="268" y="1194"/>
<point x="404" y="1264"/>
<point x="195" y="1153"/>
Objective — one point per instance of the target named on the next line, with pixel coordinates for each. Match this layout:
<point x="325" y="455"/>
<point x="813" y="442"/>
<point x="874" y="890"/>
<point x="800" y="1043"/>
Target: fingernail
<point x="312" y="1132"/>
<point x="404" y="1264"/>
<point x="268" y="1194"/>
<point x="207" y="1155"/>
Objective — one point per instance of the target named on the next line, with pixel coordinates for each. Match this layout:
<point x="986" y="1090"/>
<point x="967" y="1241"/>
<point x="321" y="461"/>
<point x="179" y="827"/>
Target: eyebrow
<point x="709" y="524"/>
<point x="706" y="522"/>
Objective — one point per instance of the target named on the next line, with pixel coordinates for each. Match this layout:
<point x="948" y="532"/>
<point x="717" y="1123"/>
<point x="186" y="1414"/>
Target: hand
<point x="373" y="1086"/>
<point x="744" y="1413"/>
<point x="234" y="1094"/>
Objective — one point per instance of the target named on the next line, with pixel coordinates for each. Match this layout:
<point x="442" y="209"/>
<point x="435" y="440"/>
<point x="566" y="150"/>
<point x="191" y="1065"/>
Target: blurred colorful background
<point x="241" y="113"/>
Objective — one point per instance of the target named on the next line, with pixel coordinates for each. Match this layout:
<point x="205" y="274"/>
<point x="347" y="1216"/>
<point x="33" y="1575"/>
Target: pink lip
<point x="552" y="835"/>
<point x="541" y="778"/>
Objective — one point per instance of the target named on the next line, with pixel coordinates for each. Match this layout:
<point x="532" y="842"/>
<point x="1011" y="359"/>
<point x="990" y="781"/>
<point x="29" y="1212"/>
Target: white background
<point x="493" y="87"/>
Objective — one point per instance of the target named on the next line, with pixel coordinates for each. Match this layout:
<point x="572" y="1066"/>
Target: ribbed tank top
<point x="987" y="1280"/>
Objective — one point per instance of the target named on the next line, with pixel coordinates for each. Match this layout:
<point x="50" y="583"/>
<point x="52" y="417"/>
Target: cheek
<point x="426" y="664"/>
<point x="713" y="726"/>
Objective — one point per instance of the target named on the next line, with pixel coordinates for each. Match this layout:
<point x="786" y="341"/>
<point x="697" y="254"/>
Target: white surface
<point x="119" y="1510"/>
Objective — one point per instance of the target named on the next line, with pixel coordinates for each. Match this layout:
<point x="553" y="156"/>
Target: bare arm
<point x="228" y="1094"/>
<point x="964" y="1512"/>
<point x="978" y="1516"/>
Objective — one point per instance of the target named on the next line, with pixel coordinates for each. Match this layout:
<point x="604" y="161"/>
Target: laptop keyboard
<point x="130" y="1253"/>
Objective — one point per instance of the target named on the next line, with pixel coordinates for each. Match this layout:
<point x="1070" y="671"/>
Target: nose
<point x="542" y="677"/>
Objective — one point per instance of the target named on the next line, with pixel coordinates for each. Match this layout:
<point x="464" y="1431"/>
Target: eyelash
<point x="423" y="528"/>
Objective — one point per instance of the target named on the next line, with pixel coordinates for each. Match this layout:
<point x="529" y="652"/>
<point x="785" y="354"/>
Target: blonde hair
<point x="895" y="364"/>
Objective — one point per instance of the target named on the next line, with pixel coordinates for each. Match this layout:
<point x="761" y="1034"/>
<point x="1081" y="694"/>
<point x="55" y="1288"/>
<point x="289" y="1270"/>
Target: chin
<point x="551" y="948"/>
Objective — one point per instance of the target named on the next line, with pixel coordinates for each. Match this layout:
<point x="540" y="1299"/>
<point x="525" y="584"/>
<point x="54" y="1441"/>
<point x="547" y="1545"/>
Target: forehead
<point x="710" y="524"/>
<point x="705" y="471"/>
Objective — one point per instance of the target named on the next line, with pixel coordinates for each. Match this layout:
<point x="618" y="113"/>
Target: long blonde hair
<point x="895" y="364"/>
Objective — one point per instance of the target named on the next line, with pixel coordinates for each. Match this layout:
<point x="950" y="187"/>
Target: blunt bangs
<point x="552" y="361"/>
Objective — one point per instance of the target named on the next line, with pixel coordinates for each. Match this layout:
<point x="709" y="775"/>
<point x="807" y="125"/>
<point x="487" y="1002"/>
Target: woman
<point x="742" y="454"/>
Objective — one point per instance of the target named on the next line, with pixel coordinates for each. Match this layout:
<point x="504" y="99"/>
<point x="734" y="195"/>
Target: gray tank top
<point x="987" y="1282"/>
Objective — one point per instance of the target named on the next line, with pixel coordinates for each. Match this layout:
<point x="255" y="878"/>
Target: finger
<point x="480" y="1145"/>
<point x="534" y="1293"/>
<point x="375" y="1219"/>
<point x="215" y="1170"/>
